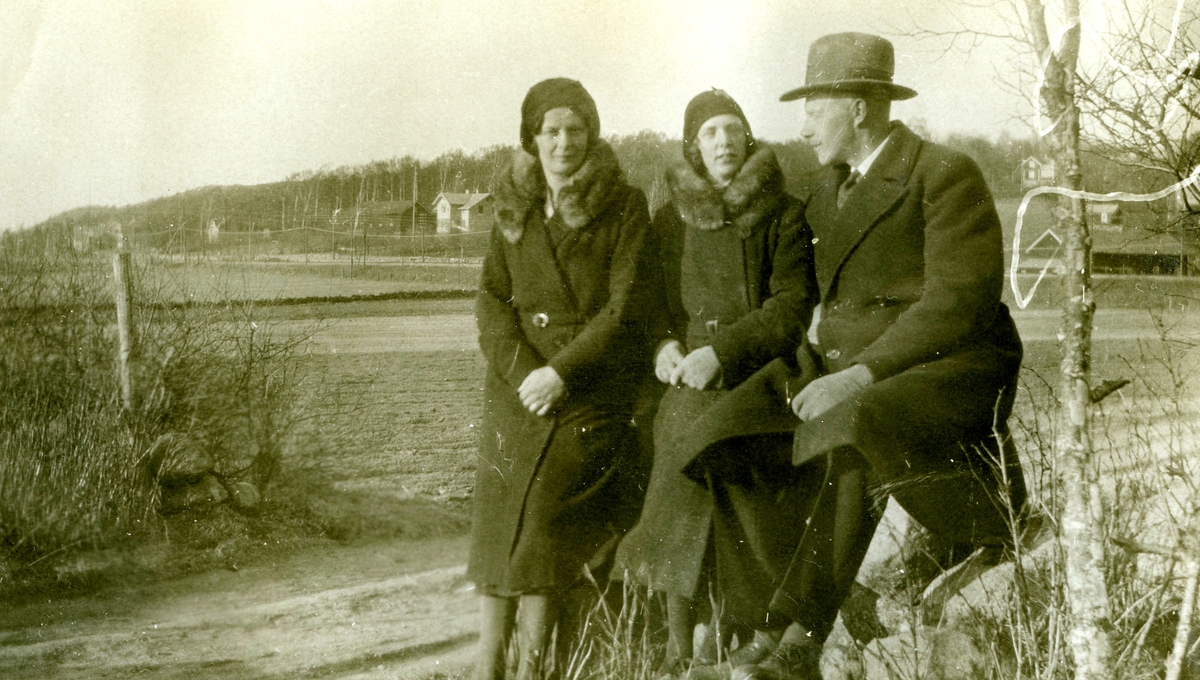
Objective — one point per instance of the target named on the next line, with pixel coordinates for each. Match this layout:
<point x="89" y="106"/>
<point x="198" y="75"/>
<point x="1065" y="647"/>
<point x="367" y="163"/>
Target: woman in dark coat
<point x="738" y="289"/>
<point x="561" y="327"/>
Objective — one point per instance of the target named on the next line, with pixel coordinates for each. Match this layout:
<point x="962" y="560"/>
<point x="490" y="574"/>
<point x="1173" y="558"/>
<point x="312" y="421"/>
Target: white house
<point x="1036" y="173"/>
<point x="458" y="212"/>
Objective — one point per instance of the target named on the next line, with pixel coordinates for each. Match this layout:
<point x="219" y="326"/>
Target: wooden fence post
<point x="123" y="280"/>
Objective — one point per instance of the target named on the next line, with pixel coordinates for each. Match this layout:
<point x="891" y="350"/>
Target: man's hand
<point x="541" y="390"/>
<point x="828" y="391"/>
<point x="698" y="370"/>
<point x="667" y="359"/>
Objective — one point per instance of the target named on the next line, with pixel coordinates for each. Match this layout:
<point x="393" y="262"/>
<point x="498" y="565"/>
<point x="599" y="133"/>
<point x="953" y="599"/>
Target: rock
<point x="178" y="461"/>
<point x="244" y="496"/>
<point x="899" y="656"/>
<point x="208" y="491"/>
<point x="841" y="659"/>
<point x="956" y="655"/>
<point x="877" y="567"/>
<point x="903" y="557"/>
<point x="898" y="618"/>
<point x="990" y="596"/>
<point x="928" y="653"/>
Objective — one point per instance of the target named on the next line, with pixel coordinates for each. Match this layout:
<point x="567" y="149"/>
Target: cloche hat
<point x="554" y="93"/>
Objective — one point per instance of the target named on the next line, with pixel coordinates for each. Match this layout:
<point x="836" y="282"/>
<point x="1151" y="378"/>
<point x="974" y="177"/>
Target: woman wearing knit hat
<point x="562" y="329"/>
<point x="738" y="291"/>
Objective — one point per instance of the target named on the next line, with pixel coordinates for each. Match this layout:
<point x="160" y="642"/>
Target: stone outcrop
<point x="178" y="461"/>
<point x="186" y="472"/>
<point x="208" y="491"/>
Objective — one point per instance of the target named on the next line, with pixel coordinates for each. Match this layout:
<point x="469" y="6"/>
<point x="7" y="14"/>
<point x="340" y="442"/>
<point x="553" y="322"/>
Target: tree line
<point x="330" y="199"/>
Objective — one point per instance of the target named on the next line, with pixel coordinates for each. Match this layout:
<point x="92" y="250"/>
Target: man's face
<point x="829" y="127"/>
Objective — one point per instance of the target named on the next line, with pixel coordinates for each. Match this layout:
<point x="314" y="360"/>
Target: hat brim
<point x="894" y="92"/>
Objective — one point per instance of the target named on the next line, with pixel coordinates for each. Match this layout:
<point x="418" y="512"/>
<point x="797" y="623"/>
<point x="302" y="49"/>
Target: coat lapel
<point x="822" y="213"/>
<point x="540" y="258"/>
<point x="874" y="195"/>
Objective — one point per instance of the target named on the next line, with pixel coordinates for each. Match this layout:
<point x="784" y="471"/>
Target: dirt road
<point x="457" y="332"/>
<point x="401" y="610"/>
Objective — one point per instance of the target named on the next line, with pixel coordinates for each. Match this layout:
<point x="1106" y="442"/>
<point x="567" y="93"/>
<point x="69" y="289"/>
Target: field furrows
<point x="399" y="424"/>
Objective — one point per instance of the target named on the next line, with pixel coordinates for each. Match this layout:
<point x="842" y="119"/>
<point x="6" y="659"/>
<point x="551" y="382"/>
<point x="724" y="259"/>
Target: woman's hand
<point x="542" y="390"/>
<point x="667" y="359"/>
<point x="698" y="370"/>
<point x="830" y="390"/>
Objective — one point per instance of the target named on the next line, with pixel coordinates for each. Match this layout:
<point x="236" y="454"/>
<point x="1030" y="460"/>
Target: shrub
<point x="75" y="467"/>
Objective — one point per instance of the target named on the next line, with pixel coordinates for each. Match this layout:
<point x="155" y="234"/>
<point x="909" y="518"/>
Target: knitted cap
<point x="556" y="93"/>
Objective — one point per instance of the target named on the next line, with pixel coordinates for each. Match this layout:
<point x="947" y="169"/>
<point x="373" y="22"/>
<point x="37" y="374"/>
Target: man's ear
<point x="859" y="108"/>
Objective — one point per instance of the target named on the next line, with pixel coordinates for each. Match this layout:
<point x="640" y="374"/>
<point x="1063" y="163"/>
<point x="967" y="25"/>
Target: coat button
<point x="833" y="354"/>
<point x="541" y="319"/>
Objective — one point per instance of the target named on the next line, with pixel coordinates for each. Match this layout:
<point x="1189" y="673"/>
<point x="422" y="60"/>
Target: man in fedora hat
<point x="916" y="355"/>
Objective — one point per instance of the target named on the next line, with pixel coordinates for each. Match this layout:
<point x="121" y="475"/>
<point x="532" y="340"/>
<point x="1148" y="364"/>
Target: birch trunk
<point x="1081" y="512"/>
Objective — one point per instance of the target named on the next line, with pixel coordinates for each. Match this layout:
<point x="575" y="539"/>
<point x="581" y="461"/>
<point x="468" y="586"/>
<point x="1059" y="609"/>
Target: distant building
<point x="1105" y="215"/>
<point x="396" y="217"/>
<point x="1043" y="251"/>
<point x="1143" y="252"/>
<point x="92" y="237"/>
<point x="1037" y="173"/>
<point x="459" y="212"/>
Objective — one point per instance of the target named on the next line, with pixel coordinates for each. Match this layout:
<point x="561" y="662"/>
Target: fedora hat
<point x="850" y="62"/>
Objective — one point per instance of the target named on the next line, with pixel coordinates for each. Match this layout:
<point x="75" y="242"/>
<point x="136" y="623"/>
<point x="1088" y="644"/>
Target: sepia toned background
<point x="107" y="102"/>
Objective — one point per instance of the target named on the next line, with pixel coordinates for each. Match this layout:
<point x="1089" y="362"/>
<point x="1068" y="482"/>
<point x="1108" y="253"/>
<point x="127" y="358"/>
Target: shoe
<point x="753" y="652"/>
<point x="789" y="661"/>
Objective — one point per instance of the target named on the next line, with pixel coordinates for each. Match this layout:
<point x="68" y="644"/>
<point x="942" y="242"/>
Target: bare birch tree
<point x="1082" y="512"/>
<point x="1050" y="32"/>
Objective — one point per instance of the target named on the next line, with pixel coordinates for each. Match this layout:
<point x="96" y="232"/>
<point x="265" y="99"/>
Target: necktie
<point x="846" y="185"/>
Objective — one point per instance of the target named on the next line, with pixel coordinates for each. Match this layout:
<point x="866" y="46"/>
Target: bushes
<point x="75" y="470"/>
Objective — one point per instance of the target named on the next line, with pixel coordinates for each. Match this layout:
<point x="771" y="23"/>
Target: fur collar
<point x="523" y="188"/>
<point x="755" y="192"/>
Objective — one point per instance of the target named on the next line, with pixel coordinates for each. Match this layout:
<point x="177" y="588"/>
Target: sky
<point x="108" y="102"/>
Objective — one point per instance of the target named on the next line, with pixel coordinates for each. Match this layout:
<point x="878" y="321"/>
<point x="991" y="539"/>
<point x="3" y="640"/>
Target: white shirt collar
<point x="863" y="167"/>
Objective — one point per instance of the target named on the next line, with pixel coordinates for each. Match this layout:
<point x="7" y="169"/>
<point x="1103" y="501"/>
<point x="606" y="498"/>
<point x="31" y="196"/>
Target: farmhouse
<point x="458" y="212"/>
<point x="396" y="217"/>
<point x="1036" y="173"/>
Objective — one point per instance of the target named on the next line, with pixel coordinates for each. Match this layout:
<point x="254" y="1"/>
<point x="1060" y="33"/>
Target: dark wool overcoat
<point x="734" y="272"/>
<point x="910" y="271"/>
<point x="554" y="492"/>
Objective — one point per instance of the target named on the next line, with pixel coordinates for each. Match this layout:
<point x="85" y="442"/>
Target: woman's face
<point x="562" y="143"/>
<point x="722" y="142"/>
